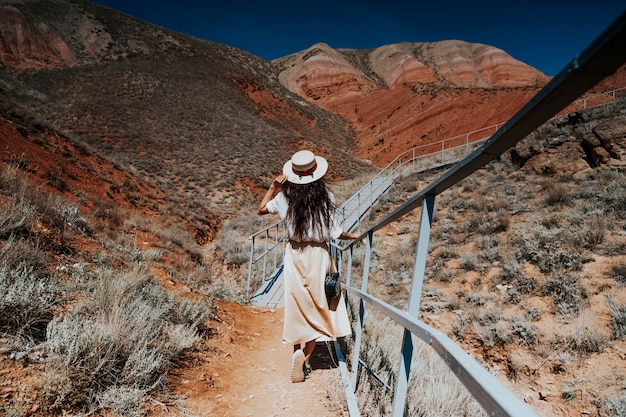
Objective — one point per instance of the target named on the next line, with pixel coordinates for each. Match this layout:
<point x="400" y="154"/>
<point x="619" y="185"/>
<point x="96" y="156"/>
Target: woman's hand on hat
<point x="279" y="181"/>
<point x="275" y="187"/>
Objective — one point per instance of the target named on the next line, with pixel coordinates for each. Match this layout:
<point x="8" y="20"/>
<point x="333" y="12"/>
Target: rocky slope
<point x="203" y="120"/>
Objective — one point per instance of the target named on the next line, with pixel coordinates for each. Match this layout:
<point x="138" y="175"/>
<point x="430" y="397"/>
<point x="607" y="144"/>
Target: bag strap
<point x="331" y="265"/>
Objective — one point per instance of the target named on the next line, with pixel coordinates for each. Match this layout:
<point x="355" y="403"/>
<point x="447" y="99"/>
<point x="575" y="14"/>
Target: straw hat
<point x="305" y="167"/>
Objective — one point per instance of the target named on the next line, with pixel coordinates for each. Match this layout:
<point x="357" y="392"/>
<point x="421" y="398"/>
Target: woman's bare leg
<point x="309" y="347"/>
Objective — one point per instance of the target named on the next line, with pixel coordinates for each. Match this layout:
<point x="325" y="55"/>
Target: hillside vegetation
<point x="525" y="271"/>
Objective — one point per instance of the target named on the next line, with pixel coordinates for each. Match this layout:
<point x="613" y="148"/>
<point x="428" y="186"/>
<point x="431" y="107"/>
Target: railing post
<point x="276" y="237"/>
<point x="250" y="265"/>
<point x="421" y="254"/>
<point x="349" y="272"/>
<point x="267" y="238"/>
<point x="443" y="152"/>
<point x="419" y="268"/>
<point x="359" y="328"/>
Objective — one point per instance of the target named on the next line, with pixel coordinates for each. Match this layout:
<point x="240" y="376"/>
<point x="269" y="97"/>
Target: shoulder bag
<point x="332" y="282"/>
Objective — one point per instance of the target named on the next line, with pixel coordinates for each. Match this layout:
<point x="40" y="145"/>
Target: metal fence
<point x="267" y="245"/>
<point x="603" y="57"/>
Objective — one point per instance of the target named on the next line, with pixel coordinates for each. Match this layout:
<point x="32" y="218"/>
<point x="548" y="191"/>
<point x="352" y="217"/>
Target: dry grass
<point x="113" y="350"/>
<point x="433" y="389"/>
<point x="106" y="331"/>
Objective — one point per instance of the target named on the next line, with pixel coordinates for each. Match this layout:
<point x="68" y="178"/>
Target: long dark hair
<point x="309" y="204"/>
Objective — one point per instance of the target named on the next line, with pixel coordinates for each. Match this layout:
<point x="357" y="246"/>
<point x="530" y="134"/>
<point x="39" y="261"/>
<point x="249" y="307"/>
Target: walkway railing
<point x="604" y="56"/>
<point x="420" y="158"/>
<point x="267" y="245"/>
<point x="270" y="241"/>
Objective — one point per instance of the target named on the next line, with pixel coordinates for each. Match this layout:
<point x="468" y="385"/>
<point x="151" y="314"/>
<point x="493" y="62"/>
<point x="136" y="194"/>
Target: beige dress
<point x="307" y="313"/>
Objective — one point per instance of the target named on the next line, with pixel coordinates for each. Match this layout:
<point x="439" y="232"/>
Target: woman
<point x="300" y="197"/>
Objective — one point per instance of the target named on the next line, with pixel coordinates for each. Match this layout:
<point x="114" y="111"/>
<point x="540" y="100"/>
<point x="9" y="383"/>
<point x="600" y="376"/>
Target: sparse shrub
<point x="469" y="184"/>
<point x="491" y="327"/>
<point x="524" y="330"/>
<point x="619" y="318"/>
<point x="15" y="217"/>
<point x="151" y="255"/>
<point x="22" y="253"/>
<point x="533" y="313"/>
<point x="555" y="192"/>
<point x="57" y="180"/>
<point x="494" y="334"/>
<point x="490" y="248"/>
<point x="235" y="251"/>
<point x="20" y="162"/>
<point x="546" y="248"/>
<point x="26" y="302"/>
<point x="463" y="204"/>
<point x="469" y="262"/>
<point x="561" y="361"/>
<point x="619" y="273"/>
<point x="569" y="296"/>
<point x="476" y="298"/>
<point x="515" y="367"/>
<point x="593" y="231"/>
<point x="403" y="258"/>
<point x="494" y="222"/>
<point x="569" y="390"/>
<point x="471" y="226"/>
<point x="72" y="219"/>
<point x="447" y="275"/>
<point x="123" y="401"/>
<point x="122" y="339"/>
<point x="109" y="217"/>
<point x="512" y="273"/>
<point x="614" y="406"/>
<point x="587" y="337"/>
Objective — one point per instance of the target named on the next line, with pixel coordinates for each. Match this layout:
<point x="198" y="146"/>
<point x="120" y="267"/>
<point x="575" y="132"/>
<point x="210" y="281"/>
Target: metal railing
<point x="417" y="159"/>
<point x="273" y="238"/>
<point x="603" y="57"/>
<point x="270" y="241"/>
<point x="594" y="100"/>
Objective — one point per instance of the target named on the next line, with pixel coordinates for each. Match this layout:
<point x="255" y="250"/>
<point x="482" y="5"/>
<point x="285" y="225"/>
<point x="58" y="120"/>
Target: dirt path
<point x="245" y="371"/>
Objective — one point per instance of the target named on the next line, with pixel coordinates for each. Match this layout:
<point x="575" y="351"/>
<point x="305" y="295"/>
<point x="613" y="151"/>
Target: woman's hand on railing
<point x="346" y="235"/>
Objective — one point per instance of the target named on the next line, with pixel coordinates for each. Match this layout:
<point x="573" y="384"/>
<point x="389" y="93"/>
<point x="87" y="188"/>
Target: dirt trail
<point x="245" y="371"/>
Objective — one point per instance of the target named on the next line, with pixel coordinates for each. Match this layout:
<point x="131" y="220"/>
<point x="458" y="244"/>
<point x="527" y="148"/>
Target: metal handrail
<point x="279" y="237"/>
<point x="408" y="162"/>
<point x="603" y="57"/>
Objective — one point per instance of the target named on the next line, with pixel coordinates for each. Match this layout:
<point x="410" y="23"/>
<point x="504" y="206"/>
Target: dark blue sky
<point x="544" y="34"/>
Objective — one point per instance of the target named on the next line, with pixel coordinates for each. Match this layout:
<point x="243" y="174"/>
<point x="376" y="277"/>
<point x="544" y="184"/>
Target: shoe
<point x="297" y="366"/>
<point x="307" y="370"/>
